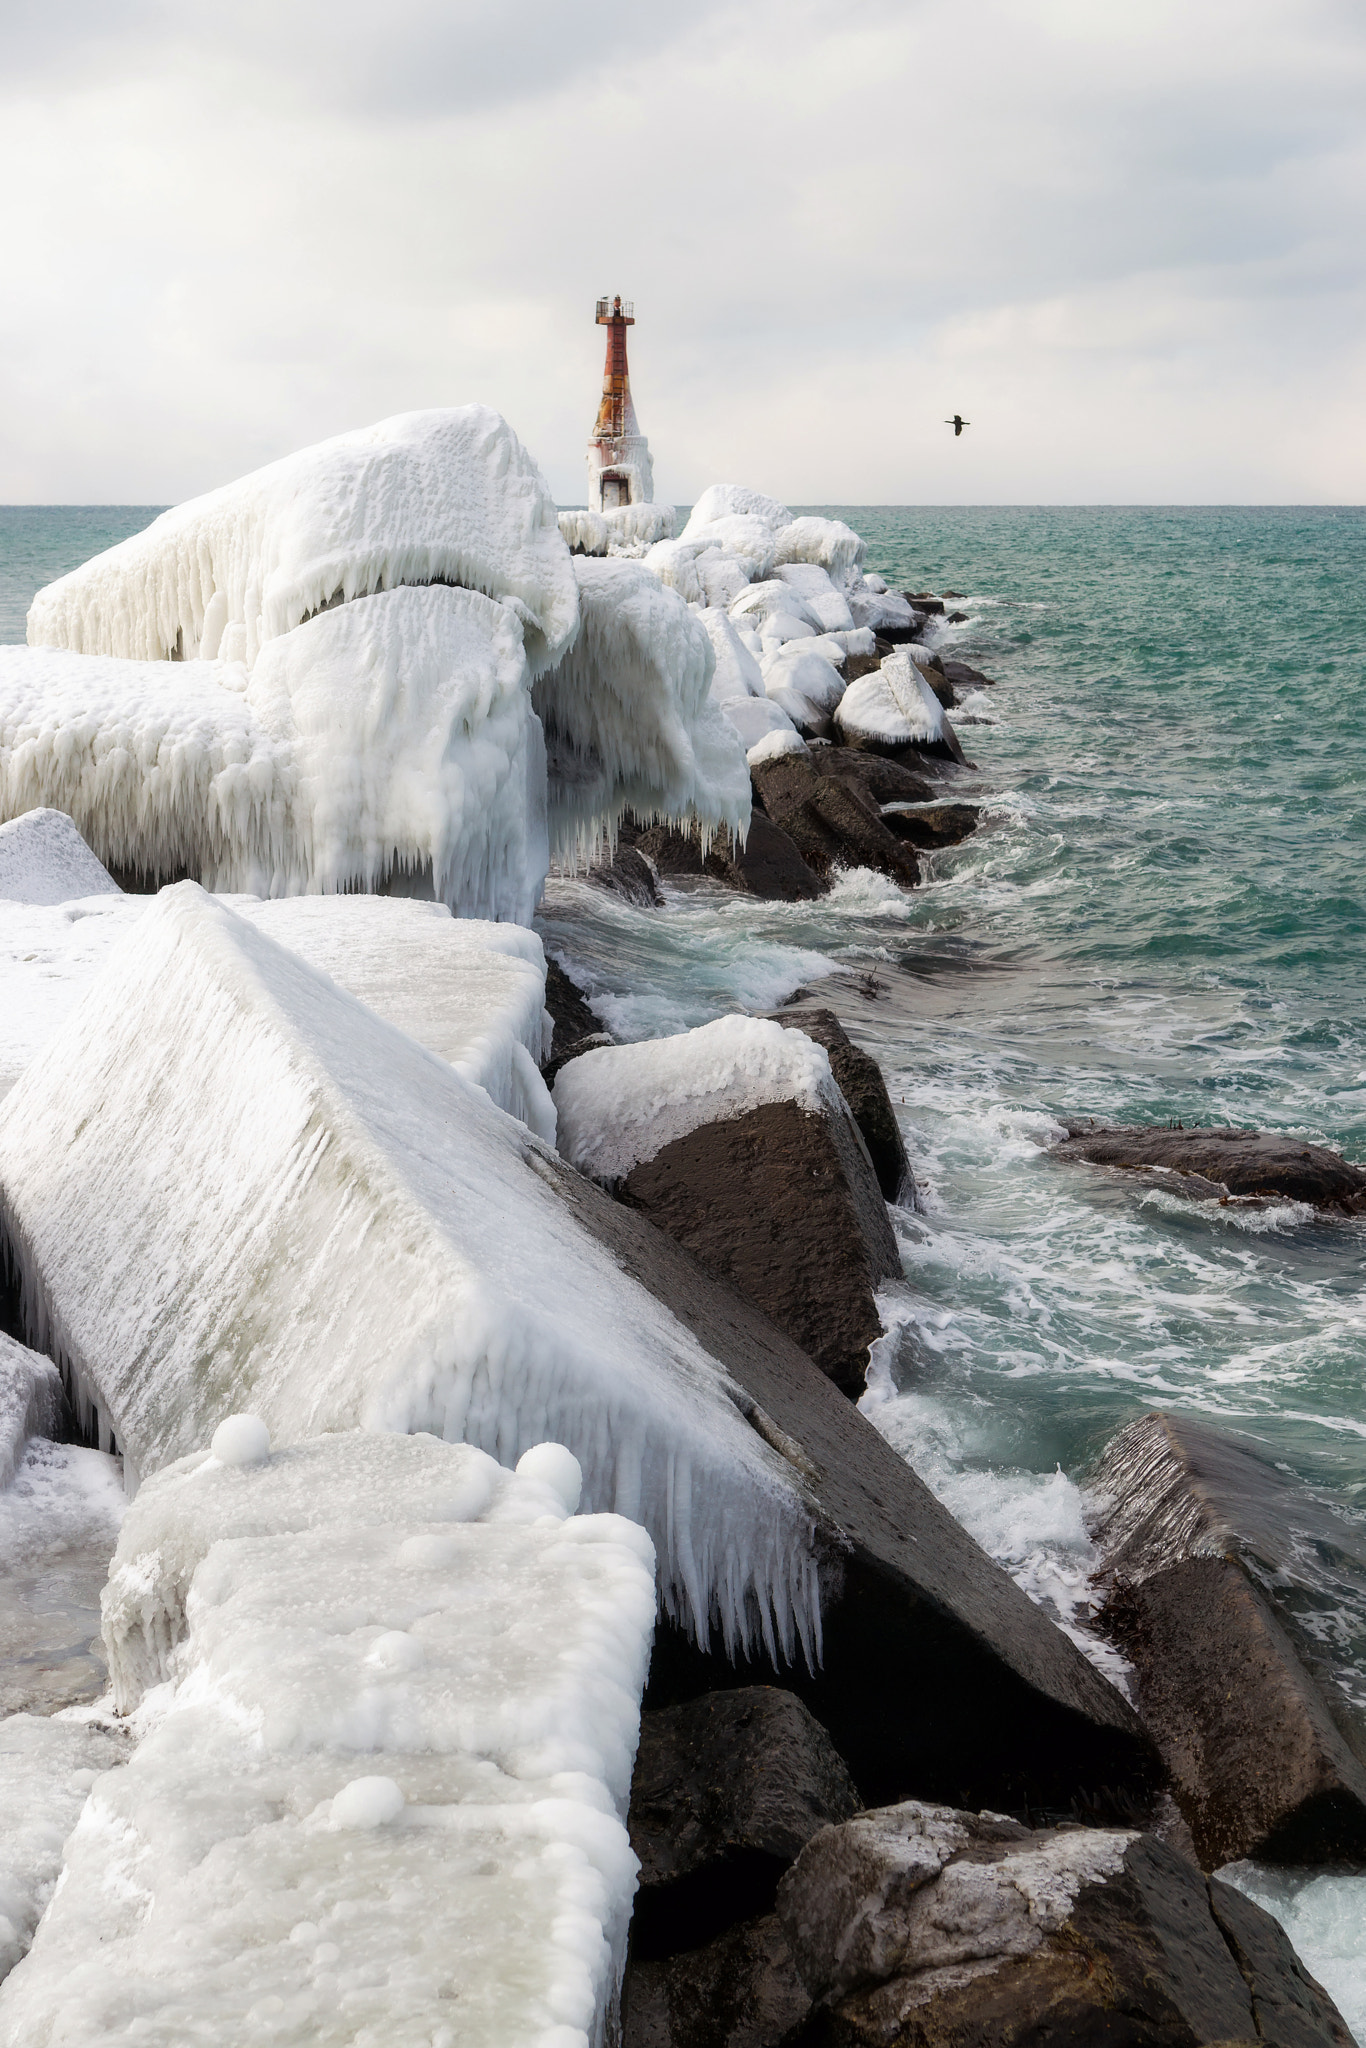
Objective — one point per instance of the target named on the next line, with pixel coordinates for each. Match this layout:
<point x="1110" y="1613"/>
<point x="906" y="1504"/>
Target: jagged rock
<point x="933" y="607"/>
<point x="568" y="1007"/>
<point x="829" y="821"/>
<point x="965" y="677"/>
<point x="918" y="1927"/>
<point x="1225" y="1162"/>
<point x="575" y="1050"/>
<point x="937" y="825"/>
<point x="745" y="1152"/>
<point x="1201" y="1551"/>
<point x="865" y="1091"/>
<point x="741" y="1991"/>
<point x="768" y="865"/>
<point x="727" y="1790"/>
<point x="877" y="779"/>
<point x="938" y="1674"/>
<point x="629" y="875"/>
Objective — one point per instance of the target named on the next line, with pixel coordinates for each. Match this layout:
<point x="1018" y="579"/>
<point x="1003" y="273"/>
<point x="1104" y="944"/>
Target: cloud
<point x="1126" y="242"/>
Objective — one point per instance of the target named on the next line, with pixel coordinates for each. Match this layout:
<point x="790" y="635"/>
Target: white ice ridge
<point x="622" y="1104"/>
<point x="30" y="1398"/>
<point x="446" y="496"/>
<point x="382" y="1797"/>
<point x="270" y="1198"/>
<point x="388" y="742"/>
<point x="43" y="859"/>
<point x="629" y="722"/>
<point x="47" y="1767"/>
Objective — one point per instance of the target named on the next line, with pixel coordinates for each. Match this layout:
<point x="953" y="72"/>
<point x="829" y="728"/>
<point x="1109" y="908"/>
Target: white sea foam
<point x="1324" y="1914"/>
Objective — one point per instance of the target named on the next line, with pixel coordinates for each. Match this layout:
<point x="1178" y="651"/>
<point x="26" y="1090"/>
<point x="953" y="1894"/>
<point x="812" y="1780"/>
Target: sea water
<point x="1161" y="918"/>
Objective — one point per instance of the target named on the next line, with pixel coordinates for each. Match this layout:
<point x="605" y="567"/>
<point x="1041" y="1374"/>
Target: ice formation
<point x="270" y="1199"/>
<point x="440" y="497"/>
<point x="628" y="720"/>
<point x="383" y="1795"/>
<point x="725" y="501"/>
<point x="387" y="742"/>
<point x="47" y="1767"/>
<point x="624" y="1103"/>
<point x="815" y="587"/>
<point x="30" y="1396"/>
<point x="44" y="860"/>
<point x="796" y="665"/>
<point x="828" y="543"/>
<point x="894" y="705"/>
<point x="621" y="527"/>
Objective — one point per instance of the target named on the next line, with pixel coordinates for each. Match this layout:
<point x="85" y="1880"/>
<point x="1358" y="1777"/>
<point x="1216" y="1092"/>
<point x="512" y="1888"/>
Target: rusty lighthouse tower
<point x="619" y="468"/>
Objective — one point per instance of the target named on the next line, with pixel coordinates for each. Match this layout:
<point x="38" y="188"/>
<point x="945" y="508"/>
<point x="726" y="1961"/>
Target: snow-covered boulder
<point x="628" y="719"/>
<point x="271" y="1199"/>
<point x="772" y="598"/>
<point x="448" y="496"/>
<point x="737" y="673"/>
<point x="797" y="665"/>
<point x="735" y="1139"/>
<point x="30" y="1399"/>
<point x="389" y="740"/>
<point x="387" y="1789"/>
<point x="43" y="859"/>
<point x="755" y="718"/>
<point x="814" y="586"/>
<point x="725" y="501"/>
<point x="828" y="543"/>
<point x="894" y="708"/>
<point x="781" y="626"/>
<point x="47" y="1767"/>
<point x="883" y="613"/>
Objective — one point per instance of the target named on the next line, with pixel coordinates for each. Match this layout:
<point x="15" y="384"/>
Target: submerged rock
<point x="921" y="1925"/>
<point x="745" y="1151"/>
<point x="1223" y="1162"/>
<point x="1201" y="1550"/>
<point x="865" y="1091"/>
<point x="727" y="1790"/>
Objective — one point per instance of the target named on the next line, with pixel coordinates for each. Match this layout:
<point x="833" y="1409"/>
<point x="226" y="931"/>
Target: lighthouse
<point x="619" y="470"/>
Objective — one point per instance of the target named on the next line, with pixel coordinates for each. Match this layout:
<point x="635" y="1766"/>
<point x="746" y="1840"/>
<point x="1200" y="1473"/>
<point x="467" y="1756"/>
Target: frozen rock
<point x="774" y="745"/>
<point x="798" y="666"/>
<point x="772" y="599"/>
<point x="273" y="1201"/>
<point x="734" y="533"/>
<point x="919" y="1923"/>
<point x="727" y="1789"/>
<point x="736" y="1140"/>
<point x="817" y="591"/>
<point x="781" y="626"/>
<point x="30" y="1401"/>
<point x="624" y="526"/>
<point x="885" y="613"/>
<point x="440" y="497"/>
<point x="43" y="859"/>
<point x="721" y="501"/>
<point x="322" y="1836"/>
<point x="754" y="718"/>
<point x="894" y="711"/>
<point x="737" y="674"/>
<point x="1216" y="1564"/>
<point x="47" y="1768"/>
<point x="628" y="718"/>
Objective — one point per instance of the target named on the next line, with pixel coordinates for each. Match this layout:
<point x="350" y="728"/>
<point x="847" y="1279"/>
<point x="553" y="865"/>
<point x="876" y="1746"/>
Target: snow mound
<point x="880" y="610"/>
<point x="754" y="718"/>
<point x="622" y="1104"/>
<point x="814" y="586"/>
<point x="723" y="501"/>
<point x="30" y="1402"/>
<point x="628" y="721"/>
<point x="387" y="742"/>
<point x="470" y="991"/>
<point x="772" y="599"/>
<point x="796" y="665"/>
<point x="446" y="496"/>
<point x="828" y="543"/>
<point x="774" y="745"/>
<point x="43" y="859"/>
<point x="894" y="705"/>
<point x="47" y="1767"/>
<point x="273" y="1201"/>
<point x="737" y="533"/>
<point x="387" y="1788"/>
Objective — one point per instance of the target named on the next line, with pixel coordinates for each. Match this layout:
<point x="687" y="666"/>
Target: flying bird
<point x="957" y="423"/>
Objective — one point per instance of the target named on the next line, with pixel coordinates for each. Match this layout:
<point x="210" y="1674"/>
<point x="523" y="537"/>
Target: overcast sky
<point x="1124" y="237"/>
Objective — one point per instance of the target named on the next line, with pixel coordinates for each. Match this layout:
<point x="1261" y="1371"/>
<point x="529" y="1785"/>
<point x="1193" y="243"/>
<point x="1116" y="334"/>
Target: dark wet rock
<point x="1215" y="1570"/>
<point x="784" y="1206"/>
<point x="877" y="779"/>
<point x="1228" y="1162"/>
<point x="829" y="820"/>
<point x="934" y="824"/>
<point x="856" y="665"/>
<point x="575" y="1049"/>
<point x="741" y="1991"/>
<point x="919" y="1927"/>
<point x="568" y="1007"/>
<point x="959" y="618"/>
<point x="728" y="1789"/>
<point x="965" y="676"/>
<point x="768" y="865"/>
<point x="938" y="1674"/>
<point x="864" y="1089"/>
<point x="933" y="607"/>
<point x="629" y="875"/>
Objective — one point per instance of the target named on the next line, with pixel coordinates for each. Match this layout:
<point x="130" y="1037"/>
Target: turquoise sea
<point x="1162" y="918"/>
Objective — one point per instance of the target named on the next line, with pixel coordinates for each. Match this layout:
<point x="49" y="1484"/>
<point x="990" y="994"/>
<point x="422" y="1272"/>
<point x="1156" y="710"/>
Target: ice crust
<point x="44" y="860"/>
<point x="622" y="1104"/>
<point x="624" y="526"/>
<point x="469" y="990"/>
<point x="448" y="496"/>
<point x="270" y="1199"/>
<point x="628" y="719"/>
<point x="30" y="1399"/>
<point x="382" y="1791"/>
<point x="47" y="1767"/>
<point x="894" y="704"/>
